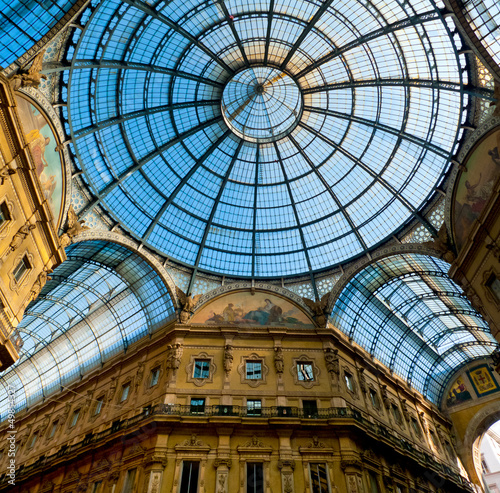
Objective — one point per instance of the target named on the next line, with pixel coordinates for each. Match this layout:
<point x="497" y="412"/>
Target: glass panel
<point x="197" y="406"/>
<point x="255" y="477"/>
<point x="189" y="480"/>
<point x="305" y="372"/>
<point x="253" y="370"/>
<point x="254" y="407"/>
<point x="201" y="368"/>
<point x="319" y="478"/>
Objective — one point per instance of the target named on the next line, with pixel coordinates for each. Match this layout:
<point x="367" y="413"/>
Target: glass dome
<point x="261" y="139"/>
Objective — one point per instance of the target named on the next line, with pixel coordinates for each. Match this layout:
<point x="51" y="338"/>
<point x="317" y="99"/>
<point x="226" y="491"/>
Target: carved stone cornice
<point x="351" y="462"/>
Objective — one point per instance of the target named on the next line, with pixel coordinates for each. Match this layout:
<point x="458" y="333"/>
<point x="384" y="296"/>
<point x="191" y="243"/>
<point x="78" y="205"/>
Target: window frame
<point x="258" y="408"/>
<point x="299" y="372"/>
<point x="258" y="488"/>
<point x="20" y="275"/>
<point x="187" y="488"/>
<point x="202" y="370"/>
<point x="154" y="376"/>
<point x="99" y="404"/>
<point x="198" y="408"/>
<point x="125" y="391"/>
<point x="251" y="375"/>
<point x="74" y="418"/>
<point x="311" y="463"/>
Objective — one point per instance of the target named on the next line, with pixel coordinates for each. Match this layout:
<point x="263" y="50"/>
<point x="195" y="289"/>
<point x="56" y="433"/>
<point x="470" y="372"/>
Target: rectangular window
<point x="53" y="429"/>
<point x="374" y="398"/>
<point x="349" y="381"/>
<point x="189" y="480"/>
<point x="305" y="372"/>
<point x="74" y="418"/>
<point x="125" y="392"/>
<point x="254" y="407"/>
<point x="155" y="376"/>
<point x="319" y="478"/>
<point x="96" y="488"/>
<point x="33" y="440"/>
<point x="128" y="485"/>
<point x="201" y="368"/>
<point x="254" y="370"/>
<point x="310" y="408"/>
<point x="4" y="213"/>
<point x="255" y="477"/>
<point x="98" y="406"/>
<point x="396" y="413"/>
<point x="434" y="439"/>
<point x="197" y="406"/>
<point x="494" y="284"/>
<point x="416" y="427"/>
<point x="373" y="482"/>
<point x="22" y="267"/>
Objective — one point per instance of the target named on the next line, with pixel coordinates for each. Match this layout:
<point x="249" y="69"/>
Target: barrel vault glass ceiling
<point x="266" y="138"/>
<point x="408" y="314"/>
<point x="99" y="301"/>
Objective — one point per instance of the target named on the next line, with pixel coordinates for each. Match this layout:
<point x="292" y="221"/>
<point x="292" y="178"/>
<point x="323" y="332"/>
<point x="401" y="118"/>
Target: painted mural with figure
<point x="475" y="185"/>
<point x="252" y="309"/>
<point x="42" y="143"/>
<point x="458" y="393"/>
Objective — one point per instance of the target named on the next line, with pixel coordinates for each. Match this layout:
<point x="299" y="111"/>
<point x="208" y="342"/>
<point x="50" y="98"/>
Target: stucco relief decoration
<point x="174" y="355"/>
<point x="278" y="360"/>
<point x="74" y="227"/>
<point x="43" y="144"/>
<point x="475" y="185"/>
<point x="187" y="303"/>
<point x="319" y="308"/>
<point x="260" y="309"/>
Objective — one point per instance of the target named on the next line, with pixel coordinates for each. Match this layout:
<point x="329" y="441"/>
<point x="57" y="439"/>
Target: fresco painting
<point x="42" y="143"/>
<point x="247" y="309"/>
<point x="458" y="393"/>
<point x="476" y="186"/>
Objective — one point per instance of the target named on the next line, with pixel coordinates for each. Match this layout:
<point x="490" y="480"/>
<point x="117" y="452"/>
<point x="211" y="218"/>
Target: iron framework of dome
<point x="265" y="139"/>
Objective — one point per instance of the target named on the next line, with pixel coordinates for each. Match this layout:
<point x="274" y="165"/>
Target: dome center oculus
<point x="261" y="104"/>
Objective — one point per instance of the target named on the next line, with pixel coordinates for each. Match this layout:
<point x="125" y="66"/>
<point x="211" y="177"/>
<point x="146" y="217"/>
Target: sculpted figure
<point x="187" y="304"/>
<point x="278" y="359"/>
<point x="33" y="77"/>
<point x="20" y="236"/>
<point x="318" y="308"/>
<point x="228" y="358"/>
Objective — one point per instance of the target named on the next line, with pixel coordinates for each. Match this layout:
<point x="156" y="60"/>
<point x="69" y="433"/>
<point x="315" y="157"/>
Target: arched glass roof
<point x="23" y="23"/>
<point x="484" y="18"/>
<point x="267" y="138"/>
<point x="99" y="301"/>
<point x="407" y="313"/>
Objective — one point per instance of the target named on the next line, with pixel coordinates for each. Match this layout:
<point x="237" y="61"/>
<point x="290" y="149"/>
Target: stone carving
<point x="442" y="244"/>
<point x="385" y="396"/>
<point x="113" y="477"/>
<point x="316" y="443"/>
<point x="221" y="483"/>
<point x="174" y="356"/>
<point x="318" y="308"/>
<point x="223" y="462"/>
<point x="404" y="407"/>
<point x="187" y="302"/>
<point x="40" y="282"/>
<point x="254" y="442"/>
<point x="6" y="171"/>
<point x="140" y="374"/>
<point x="332" y="361"/>
<point x="74" y="227"/>
<point x="32" y="77"/>
<point x="278" y="360"/>
<point x="20" y="236"/>
<point x="155" y="484"/>
<point x="192" y="441"/>
<point x="286" y="463"/>
<point x="362" y="380"/>
<point x="228" y="358"/>
<point x="287" y="482"/>
<point x="112" y="388"/>
<point x="351" y="462"/>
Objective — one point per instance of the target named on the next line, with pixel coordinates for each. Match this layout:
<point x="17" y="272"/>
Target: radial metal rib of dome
<point x="265" y="139"/>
